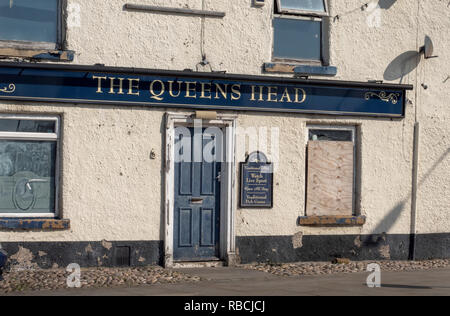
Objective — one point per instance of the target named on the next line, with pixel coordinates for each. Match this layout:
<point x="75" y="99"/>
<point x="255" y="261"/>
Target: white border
<point x="350" y="128"/>
<point x="36" y="136"/>
<point x="304" y="12"/>
<point x="353" y="130"/>
<point x="228" y="186"/>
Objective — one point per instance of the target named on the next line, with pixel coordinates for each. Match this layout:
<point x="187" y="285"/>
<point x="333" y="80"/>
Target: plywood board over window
<point x="330" y="178"/>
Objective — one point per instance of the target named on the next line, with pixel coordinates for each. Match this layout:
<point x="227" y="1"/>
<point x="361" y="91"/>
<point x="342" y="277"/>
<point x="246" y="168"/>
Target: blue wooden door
<point x="197" y="194"/>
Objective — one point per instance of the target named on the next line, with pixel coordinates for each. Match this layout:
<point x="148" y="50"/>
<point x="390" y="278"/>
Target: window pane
<point x="331" y="135"/>
<point x="305" y="5"/>
<point x="297" y="39"/>
<point x="27" y="126"/>
<point x="29" y="20"/>
<point x="27" y="176"/>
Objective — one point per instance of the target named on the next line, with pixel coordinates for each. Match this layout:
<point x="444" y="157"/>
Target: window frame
<point x="349" y="128"/>
<point x="303" y="12"/>
<point x="60" y="39"/>
<point x="299" y="60"/>
<point x="24" y="136"/>
<point x="305" y="16"/>
<point x="356" y="170"/>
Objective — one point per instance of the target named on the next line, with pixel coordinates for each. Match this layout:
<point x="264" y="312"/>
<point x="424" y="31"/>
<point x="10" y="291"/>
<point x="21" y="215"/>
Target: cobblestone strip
<point x="323" y="268"/>
<point x="20" y="281"/>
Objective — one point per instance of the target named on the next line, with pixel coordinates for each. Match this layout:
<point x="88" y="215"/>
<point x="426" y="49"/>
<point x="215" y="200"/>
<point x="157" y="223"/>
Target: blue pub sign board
<point x="256" y="182"/>
<point x="178" y="89"/>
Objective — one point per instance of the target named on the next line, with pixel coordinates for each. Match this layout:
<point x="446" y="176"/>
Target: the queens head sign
<point x="193" y="90"/>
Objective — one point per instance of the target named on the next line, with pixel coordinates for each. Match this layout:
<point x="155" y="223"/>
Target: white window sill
<point x="47" y="224"/>
<point x="41" y="54"/>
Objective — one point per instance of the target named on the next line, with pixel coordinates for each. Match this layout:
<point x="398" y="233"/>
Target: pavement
<point x="243" y="282"/>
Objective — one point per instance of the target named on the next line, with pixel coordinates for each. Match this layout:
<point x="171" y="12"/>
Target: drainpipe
<point x="415" y="164"/>
<point x="413" y="230"/>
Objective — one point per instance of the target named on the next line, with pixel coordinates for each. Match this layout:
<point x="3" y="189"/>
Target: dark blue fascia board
<point x="67" y="83"/>
<point x="205" y="75"/>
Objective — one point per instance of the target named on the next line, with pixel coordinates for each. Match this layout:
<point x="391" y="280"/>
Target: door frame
<point x="227" y="244"/>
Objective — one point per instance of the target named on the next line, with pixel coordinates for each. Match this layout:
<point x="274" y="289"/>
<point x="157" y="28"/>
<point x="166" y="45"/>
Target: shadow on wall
<point x="386" y="224"/>
<point x="402" y="66"/>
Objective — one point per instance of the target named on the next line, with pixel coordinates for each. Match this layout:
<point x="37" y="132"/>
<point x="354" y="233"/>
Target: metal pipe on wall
<point x="413" y="230"/>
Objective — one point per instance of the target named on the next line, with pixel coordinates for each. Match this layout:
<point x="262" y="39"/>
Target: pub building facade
<point x="172" y="132"/>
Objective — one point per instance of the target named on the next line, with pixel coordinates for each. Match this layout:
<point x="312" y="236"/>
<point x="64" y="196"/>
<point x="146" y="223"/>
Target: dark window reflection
<point x="27" y="126"/>
<point x="305" y="5"/>
<point x="29" y="20"/>
<point x="330" y="135"/>
<point x="297" y="39"/>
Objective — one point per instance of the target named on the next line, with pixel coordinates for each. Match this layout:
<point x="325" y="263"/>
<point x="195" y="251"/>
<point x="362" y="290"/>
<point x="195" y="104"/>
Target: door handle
<point x="196" y="200"/>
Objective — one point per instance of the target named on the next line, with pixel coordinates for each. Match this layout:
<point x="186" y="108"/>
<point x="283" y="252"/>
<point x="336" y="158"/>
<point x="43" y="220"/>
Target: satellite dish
<point x="428" y="49"/>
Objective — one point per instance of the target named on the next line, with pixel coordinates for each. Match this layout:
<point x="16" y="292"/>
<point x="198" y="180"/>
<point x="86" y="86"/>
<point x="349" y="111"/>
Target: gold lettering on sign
<point x="9" y="89"/>
<point x="261" y="93"/>
<point x="297" y="96"/>
<point x="171" y="89"/>
<point x="112" y="85"/>
<point x="252" y="98"/>
<point x="236" y="92"/>
<point x="205" y="90"/>
<point x="190" y="89"/>
<point x="261" y="97"/>
<point x="132" y="86"/>
<point x="222" y="91"/>
<point x="99" y="89"/>
<point x="272" y="94"/>
<point x="286" y="96"/>
<point x="157" y="96"/>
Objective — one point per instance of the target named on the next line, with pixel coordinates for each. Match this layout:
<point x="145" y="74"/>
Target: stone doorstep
<point x="200" y="264"/>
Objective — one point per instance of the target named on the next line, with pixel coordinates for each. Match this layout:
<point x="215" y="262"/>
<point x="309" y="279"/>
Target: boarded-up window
<point x="330" y="173"/>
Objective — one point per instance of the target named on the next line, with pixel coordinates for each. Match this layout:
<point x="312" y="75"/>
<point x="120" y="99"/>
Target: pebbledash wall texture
<point x="114" y="200"/>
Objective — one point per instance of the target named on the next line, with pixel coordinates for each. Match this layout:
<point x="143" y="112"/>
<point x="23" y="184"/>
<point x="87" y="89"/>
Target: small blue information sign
<point x="256" y="182"/>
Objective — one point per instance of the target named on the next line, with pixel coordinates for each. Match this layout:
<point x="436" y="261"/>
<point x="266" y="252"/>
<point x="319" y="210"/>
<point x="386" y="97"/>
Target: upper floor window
<point x="298" y="30"/>
<point x="31" y="23"/>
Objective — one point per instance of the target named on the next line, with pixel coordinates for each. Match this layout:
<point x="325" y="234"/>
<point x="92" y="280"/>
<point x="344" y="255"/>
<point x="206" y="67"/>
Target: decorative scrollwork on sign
<point x="383" y="96"/>
<point x="9" y="89"/>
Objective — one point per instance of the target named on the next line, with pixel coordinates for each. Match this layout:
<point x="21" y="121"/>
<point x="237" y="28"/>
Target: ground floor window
<point x="28" y="166"/>
<point x="331" y="170"/>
